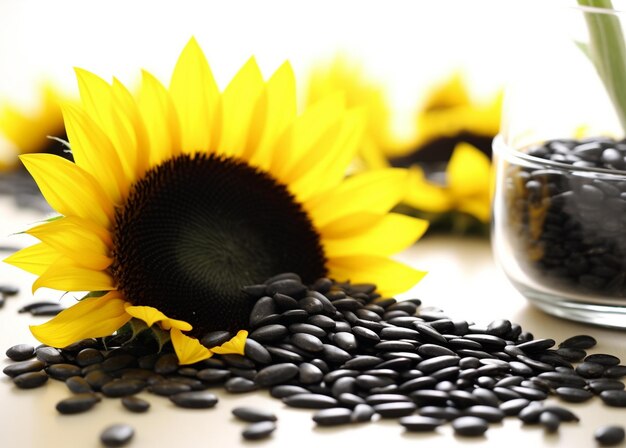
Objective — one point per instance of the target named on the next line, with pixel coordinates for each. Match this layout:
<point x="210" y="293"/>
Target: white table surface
<point x="462" y="280"/>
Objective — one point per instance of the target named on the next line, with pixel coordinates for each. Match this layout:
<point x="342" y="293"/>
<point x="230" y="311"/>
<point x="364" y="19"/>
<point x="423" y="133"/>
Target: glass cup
<point x="559" y="210"/>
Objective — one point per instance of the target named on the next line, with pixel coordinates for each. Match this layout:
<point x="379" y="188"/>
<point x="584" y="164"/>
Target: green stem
<point x="608" y="53"/>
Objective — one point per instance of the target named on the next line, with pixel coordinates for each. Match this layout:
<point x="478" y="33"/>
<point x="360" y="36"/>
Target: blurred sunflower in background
<point x="27" y="131"/>
<point x="450" y="156"/>
<point x="179" y="197"/>
<point x="40" y="130"/>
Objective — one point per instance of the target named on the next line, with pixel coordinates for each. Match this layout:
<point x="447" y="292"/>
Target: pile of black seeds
<point x="567" y="224"/>
<point x="351" y="356"/>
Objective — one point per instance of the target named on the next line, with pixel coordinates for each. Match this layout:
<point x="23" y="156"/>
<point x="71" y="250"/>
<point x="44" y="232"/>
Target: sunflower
<point x="181" y="196"/>
<point x="31" y="132"/>
<point x="465" y="186"/>
<point x="449" y="157"/>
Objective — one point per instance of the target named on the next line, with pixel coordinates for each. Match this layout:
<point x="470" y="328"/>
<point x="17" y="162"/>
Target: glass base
<point x="609" y="315"/>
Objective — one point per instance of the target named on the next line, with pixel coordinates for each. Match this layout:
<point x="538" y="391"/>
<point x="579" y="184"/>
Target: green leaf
<point x="607" y="51"/>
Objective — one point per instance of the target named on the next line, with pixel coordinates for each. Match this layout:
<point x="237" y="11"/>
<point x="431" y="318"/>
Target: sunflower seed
<point x="78" y="385"/>
<point x="276" y="374"/>
<point x="20" y="352"/>
<point x="117" y="435"/>
<point x="252" y="415"/>
<point x="333" y="416"/>
<point x="609" y="435"/>
<point x="194" y="399"/>
<point x="30" y="380"/>
<point x="614" y="398"/>
<point x="470" y="426"/>
<point x="259" y="430"/>
<point x="418" y="423"/>
<point x="135" y="404"/>
<point x="77" y="403"/>
<point x="310" y="401"/>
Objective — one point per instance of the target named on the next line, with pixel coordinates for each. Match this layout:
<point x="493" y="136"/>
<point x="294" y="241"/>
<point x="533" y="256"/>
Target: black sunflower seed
<point x="117" y="435"/>
<point x="20" y="352"/>
<point x="259" y="430"/>
<point x="252" y="415"/>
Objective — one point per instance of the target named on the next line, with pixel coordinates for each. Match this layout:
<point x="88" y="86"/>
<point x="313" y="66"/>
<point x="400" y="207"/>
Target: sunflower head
<point x="181" y="195"/>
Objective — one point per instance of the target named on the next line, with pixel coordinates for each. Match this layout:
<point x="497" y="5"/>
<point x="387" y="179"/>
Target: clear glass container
<point x="559" y="211"/>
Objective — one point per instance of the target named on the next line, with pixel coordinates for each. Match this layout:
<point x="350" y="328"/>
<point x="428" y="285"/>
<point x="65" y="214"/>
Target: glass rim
<point x="500" y="147"/>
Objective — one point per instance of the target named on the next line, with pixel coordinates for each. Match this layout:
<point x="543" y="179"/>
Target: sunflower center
<point x="197" y="228"/>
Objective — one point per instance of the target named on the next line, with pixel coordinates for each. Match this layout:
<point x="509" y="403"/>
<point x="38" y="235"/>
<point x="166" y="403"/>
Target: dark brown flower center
<point x="197" y="228"/>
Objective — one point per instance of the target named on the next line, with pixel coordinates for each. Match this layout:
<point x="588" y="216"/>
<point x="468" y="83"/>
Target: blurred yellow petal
<point x="29" y="131"/>
<point x="468" y="171"/>
<point x="93" y="317"/>
<point x="35" y="259"/>
<point x="196" y="98"/>
<point x="66" y="275"/>
<point x="237" y="344"/>
<point x="160" y="118"/>
<point x="390" y="235"/>
<point x="68" y="189"/>
<point x="478" y="207"/>
<point x="188" y="349"/>
<point x="375" y="191"/>
<point x="238" y="102"/>
<point x="391" y="277"/>
<point x="426" y="196"/>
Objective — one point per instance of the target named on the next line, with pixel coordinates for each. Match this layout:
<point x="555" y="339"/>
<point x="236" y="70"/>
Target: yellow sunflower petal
<point x="196" y="98"/>
<point x="93" y="151"/>
<point x="319" y="172"/>
<point x="390" y="235"/>
<point x="375" y="191"/>
<point x="425" y="196"/>
<point x="305" y="132"/>
<point x="274" y="111"/>
<point x="128" y="121"/>
<point x="188" y="349"/>
<point x="35" y="259"/>
<point x="175" y="323"/>
<point x="160" y="118"/>
<point x="237" y="344"/>
<point x="151" y="315"/>
<point x="391" y="277"/>
<point x="238" y="102"/>
<point x="66" y="275"/>
<point x="350" y="225"/>
<point x="90" y="318"/>
<point x="468" y="171"/>
<point x="68" y="189"/>
<point x="77" y="239"/>
<point x="148" y="314"/>
<point x="479" y="207"/>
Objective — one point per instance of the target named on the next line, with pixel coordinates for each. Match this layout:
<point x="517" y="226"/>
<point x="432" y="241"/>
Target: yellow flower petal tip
<point x="235" y="345"/>
<point x="179" y="196"/>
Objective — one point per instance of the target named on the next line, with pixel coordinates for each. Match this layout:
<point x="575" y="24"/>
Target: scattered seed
<point x="117" y="435"/>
